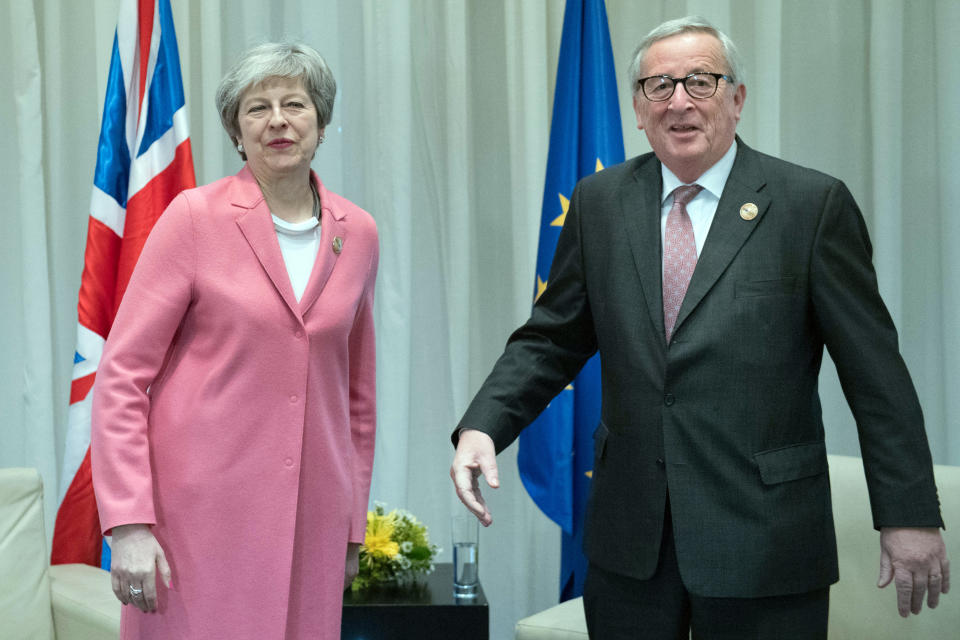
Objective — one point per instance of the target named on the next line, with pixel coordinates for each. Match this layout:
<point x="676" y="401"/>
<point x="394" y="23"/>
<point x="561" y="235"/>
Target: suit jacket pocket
<point x="755" y="288"/>
<point x="793" y="462"/>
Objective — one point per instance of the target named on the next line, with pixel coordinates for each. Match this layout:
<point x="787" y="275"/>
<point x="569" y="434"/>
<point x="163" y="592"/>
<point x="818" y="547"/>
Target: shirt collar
<point x="713" y="179"/>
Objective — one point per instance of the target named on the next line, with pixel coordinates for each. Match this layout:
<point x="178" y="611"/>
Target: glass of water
<point x="466" y="536"/>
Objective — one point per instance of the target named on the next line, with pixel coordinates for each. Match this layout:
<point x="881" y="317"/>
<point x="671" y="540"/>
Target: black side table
<point x="426" y="612"/>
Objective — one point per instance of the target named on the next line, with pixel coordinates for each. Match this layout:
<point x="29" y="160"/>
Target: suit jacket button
<point x="659" y="462"/>
<point x="668" y="400"/>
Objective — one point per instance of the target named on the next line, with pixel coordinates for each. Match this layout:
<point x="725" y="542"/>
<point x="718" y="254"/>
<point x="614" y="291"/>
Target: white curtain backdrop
<point x="440" y="130"/>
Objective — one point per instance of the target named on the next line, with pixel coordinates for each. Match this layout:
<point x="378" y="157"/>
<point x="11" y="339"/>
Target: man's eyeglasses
<point x="697" y="85"/>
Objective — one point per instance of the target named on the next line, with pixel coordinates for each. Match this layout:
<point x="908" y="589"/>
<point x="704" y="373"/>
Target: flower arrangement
<point x="396" y="549"/>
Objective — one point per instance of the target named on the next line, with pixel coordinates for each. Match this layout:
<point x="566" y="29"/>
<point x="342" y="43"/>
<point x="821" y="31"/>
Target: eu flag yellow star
<point x="541" y="287"/>
<point x="564" y="205"/>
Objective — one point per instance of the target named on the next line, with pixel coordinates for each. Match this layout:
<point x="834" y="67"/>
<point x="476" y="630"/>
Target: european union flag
<point x="556" y="451"/>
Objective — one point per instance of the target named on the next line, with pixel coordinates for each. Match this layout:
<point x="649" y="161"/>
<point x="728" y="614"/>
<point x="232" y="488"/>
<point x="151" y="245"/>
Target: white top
<point x="299" y="244"/>
<point x="703" y="206"/>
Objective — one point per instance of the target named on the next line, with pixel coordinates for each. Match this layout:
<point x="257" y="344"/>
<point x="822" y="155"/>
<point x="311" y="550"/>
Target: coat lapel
<point x="728" y="231"/>
<point x="640" y="207"/>
<point x="256" y="225"/>
<point x="332" y="227"/>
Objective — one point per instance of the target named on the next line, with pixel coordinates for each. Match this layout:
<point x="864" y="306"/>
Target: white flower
<point x="404" y="562"/>
<point x="406" y="546"/>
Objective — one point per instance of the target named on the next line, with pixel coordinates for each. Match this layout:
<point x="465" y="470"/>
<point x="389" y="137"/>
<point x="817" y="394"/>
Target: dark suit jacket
<point x="727" y="417"/>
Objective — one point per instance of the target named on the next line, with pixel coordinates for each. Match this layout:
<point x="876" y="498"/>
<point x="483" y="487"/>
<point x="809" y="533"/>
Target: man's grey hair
<point x="690" y="24"/>
<point x="272" y="60"/>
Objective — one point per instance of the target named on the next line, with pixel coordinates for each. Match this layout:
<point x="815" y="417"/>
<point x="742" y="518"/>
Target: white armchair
<point x="857" y="610"/>
<point x="39" y="601"/>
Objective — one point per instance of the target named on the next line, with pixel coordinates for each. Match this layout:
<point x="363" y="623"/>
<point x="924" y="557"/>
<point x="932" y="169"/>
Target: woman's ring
<point x="136" y="593"/>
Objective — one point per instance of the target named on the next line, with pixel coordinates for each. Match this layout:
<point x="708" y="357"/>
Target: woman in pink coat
<point x="234" y="408"/>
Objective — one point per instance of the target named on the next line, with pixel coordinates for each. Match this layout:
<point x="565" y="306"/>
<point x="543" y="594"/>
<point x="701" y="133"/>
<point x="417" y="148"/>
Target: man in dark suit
<point x="710" y="277"/>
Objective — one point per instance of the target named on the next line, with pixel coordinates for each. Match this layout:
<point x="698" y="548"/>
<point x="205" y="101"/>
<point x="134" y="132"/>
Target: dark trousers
<point x="619" y="608"/>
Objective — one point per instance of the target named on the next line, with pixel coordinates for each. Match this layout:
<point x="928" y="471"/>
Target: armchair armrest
<point x="84" y="607"/>
<point x="564" y="621"/>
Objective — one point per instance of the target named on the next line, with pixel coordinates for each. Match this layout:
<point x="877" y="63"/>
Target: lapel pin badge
<point x="337" y="245"/>
<point x="748" y="211"/>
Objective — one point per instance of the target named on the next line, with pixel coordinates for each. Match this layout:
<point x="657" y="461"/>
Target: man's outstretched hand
<point x="475" y="456"/>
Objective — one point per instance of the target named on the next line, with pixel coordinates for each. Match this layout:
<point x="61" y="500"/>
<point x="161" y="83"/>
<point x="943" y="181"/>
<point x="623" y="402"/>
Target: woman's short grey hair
<point x="690" y="24"/>
<point x="272" y="60"/>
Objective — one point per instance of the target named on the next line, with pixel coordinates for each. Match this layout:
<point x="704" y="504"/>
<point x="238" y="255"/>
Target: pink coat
<point x="238" y="421"/>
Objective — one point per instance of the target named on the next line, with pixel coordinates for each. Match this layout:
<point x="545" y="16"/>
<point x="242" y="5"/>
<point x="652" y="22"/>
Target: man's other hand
<point x="915" y="559"/>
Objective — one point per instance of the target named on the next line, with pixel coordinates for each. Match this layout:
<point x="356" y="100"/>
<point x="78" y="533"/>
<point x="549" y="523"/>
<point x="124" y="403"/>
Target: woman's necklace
<point x="316" y="200"/>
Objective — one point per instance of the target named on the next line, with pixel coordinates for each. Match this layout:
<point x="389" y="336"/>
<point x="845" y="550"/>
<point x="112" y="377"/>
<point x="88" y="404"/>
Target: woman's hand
<point x="135" y="558"/>
<point x="353" y="564"/>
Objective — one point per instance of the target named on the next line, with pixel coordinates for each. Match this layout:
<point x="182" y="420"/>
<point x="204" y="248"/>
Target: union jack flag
<point x="143" y="161"/>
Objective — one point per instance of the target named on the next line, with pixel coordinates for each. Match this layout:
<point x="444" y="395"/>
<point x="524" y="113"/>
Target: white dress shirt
<point x="704" y="205"/>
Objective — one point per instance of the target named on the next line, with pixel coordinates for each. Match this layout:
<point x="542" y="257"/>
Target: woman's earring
<point x="321" y="139"/>
<point x="240" y="147"/>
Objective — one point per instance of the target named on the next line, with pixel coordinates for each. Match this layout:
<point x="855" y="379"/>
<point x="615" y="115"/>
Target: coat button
<point x="659" y="462"/>
<point x="668" y="400"/>
<point x="293" y="399"/>
<point x="288" y="462"/>
<point x="299" y="333"/>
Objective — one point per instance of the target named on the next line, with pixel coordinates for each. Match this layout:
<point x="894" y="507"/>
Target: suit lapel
<point x="640" y="207"/>
<point x="256" y="225"/>
<point x="728" y="231"/>
<point x="333" y="241"/>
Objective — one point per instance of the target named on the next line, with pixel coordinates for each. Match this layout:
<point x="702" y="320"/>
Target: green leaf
<point x="419" y="553"/>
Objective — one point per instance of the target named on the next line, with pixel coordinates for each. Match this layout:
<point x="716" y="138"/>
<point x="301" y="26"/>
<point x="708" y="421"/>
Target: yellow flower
<point x="378" y="540"/>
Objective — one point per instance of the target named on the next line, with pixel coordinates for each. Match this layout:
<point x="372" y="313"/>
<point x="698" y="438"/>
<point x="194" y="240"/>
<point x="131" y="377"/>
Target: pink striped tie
<point x="679" y="255"/>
